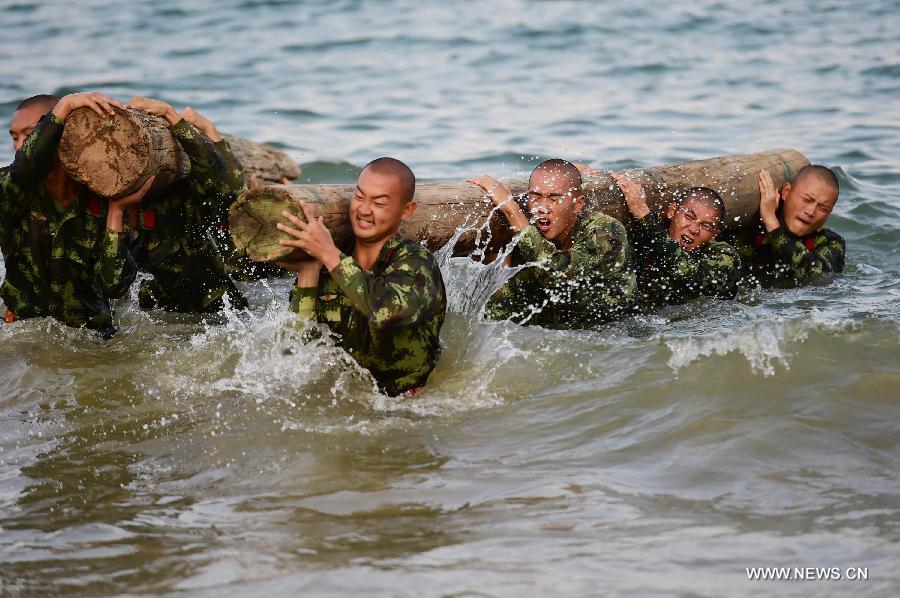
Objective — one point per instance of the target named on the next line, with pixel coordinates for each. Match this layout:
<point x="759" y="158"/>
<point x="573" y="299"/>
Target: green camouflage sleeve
<point x="208" y="168"/>
<point x="605" y="258"/>
<point x="235" y="181"/>
<point x="32" y="164"/>
<point x="712" y="272"/>
<point x="114" y="270"/>
<point x="827" y="255"/>
<point x="402" y="296"/>
<point x="303" y="301"/>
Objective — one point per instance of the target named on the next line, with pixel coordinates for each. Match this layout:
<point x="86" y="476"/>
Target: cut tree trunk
<point x="269" y="164"/>
<point x="115" y="155"/>
<point x="445" y="208"/>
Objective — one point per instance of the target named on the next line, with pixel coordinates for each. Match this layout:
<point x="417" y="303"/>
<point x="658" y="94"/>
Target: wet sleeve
<point x="114" y="270"/>
<point x="208" y="168"/>
<point x="403" y="296"/>
<point x="603" y="259"/>
<point x="234" y="181"/>
<point x="827" y="255"/>
<point x="303" y="301"/>
<point x="720" y="270"/>
<point x="33" y="162"/>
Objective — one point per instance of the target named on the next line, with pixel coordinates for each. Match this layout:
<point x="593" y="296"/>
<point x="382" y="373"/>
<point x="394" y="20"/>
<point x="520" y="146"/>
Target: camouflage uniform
<point x="388" y="319"/>
<point x="575" y="288"/>
<point x="780" y="257"/>
<point x="669" y="274"/>
<point x="173" y="240"/>
<point x="61" y="261"/>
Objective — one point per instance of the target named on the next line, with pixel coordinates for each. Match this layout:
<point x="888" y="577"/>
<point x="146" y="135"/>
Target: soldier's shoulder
<point x="722" y="248"/>
<point x="830" y="235"/>
<point x="605" y="224"/>
<point x="413" y="251"/>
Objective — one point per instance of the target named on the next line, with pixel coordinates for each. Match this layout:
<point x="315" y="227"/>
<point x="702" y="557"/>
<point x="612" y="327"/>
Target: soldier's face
<point x="693" y="224"/>
<point x="554" y="205"/>
<point x="807" y="205"/>
<point x="23" y="123"/>
<point x="377" y="208"/>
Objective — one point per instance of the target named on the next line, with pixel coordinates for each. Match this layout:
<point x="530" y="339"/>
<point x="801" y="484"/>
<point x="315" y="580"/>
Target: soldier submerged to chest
<point x="789" y="245"/>
<point x="576" y="270"/>
<point x="386" y="302"/>
<point x="682" y="261"/>
<point x="173" y="230"/>
<point x="65" y="250"/>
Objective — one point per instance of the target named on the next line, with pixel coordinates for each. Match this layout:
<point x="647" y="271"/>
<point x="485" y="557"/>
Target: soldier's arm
<point x="720" y="271"/>
<point x="114" y="267"/>
<point x="603" y="259"/>
<point x="208" y="178"/>
<point x="402" y="296"/>
<point x="827" y="255"/>
<point x="36" y="157"/>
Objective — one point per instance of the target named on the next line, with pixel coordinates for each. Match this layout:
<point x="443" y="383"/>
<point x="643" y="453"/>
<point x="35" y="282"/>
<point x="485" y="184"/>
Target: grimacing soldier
<point x="385" y="302"/>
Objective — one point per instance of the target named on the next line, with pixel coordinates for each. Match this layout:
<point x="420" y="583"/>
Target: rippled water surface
<point x="658" y="455"/>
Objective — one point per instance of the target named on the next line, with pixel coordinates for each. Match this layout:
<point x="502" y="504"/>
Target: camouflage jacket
<point x="669" y="274"/>
<point x="174" y="240"/>
<point x="61" y="261"/>
<point x="388" y="319"/>
<point x="781" y="257"/>
<point x="587" y="284"/>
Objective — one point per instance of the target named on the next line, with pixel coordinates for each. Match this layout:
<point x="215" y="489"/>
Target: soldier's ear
<point x="408" y="210"/>
<point x="580" y="202"/>
<point x="670" y="213"/>
<point x="785" y="189"/>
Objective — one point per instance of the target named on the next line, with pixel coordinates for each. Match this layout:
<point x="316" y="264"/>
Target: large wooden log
<point x="445" y="208"/>
<point x="269" y="164"/>
<point x="115" y="155"/>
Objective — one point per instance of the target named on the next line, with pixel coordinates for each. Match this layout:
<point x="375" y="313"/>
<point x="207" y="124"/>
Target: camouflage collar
<point x="387" y="252"/>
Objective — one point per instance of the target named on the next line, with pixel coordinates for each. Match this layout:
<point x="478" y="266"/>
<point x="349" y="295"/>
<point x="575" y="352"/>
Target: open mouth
<point x="364" y="222"/>
<point x="542" y="223"/>
<point x="687" y="240"/>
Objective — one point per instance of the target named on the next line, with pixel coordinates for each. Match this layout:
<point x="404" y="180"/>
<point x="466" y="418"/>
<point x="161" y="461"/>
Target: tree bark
<point x="269" y="164"/>
<point x="114" y="156"/>
<point x="445" y="208"/>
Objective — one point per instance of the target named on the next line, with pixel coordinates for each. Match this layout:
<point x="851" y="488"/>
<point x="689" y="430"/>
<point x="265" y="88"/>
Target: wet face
<point x="554" y="205"/>
<point x="693" y="224"/>
<point x="378" y="207"/>
<point x="23" y="123"/>
<point x="807" y="205"/>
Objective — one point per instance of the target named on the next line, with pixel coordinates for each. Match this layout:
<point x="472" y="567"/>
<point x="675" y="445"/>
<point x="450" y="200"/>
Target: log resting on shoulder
<point x="114" y="156"/>
<point x="445" y="208"/>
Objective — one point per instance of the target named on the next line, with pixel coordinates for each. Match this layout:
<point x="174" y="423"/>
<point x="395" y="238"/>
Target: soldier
<point x="575" y="267"/>
<point x="682" y="261"/>
<point x="65" y="250"/>
<point x="385" y="301"/>
<point x="789" y="245"/>
<point x="172" y="240"/>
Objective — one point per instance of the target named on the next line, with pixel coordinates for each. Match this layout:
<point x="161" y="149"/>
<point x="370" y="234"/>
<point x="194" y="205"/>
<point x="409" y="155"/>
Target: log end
<point x="252" y="218"/>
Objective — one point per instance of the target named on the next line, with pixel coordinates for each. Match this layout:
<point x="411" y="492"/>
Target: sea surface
<point x="661" y="455"/>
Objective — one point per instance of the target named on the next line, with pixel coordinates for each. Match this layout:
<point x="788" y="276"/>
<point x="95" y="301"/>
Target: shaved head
<point x="45" y="102"/>
<point x="397" y="169"/>
<point x="703" y="195"/>
<point x="822" y="173"/>
<point x="559" y="169"/>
